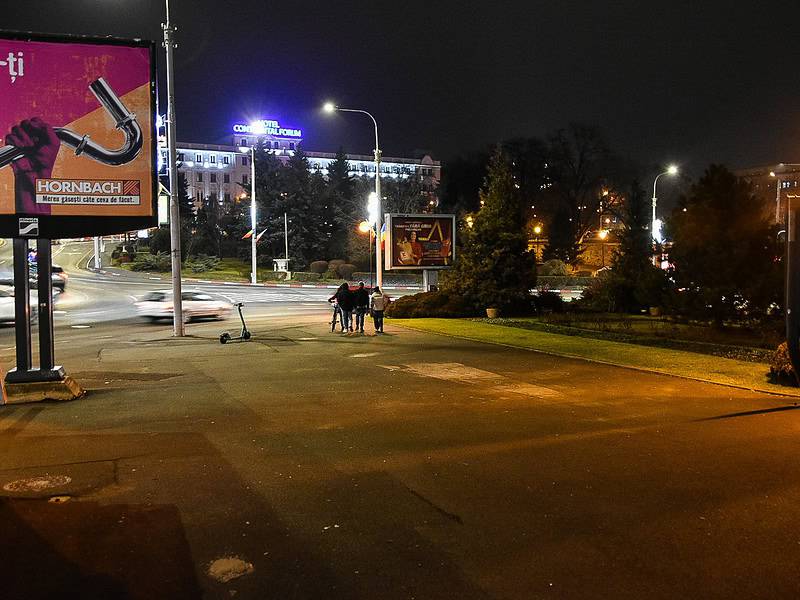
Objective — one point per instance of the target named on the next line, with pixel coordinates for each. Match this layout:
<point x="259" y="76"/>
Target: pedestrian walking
<point x="378" y="303"/>
<point x="361" y="301"/>
<point x="344" y="297"/>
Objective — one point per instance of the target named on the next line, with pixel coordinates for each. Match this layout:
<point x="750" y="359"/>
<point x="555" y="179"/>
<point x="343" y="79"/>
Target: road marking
<point x="81" y="326"/>
<point x="365" y="355"/>
<point x="470" y="375"/>
<point x="59" y="312"/>
<point x="155" y="278"/>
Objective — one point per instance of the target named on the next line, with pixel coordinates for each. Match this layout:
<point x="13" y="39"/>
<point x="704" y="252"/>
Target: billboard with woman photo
<point x="420" y="241"/>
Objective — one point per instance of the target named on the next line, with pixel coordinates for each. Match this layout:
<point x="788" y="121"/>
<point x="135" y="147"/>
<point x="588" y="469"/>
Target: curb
<point x="246" y="284"/>
<point x="604" y="362"/>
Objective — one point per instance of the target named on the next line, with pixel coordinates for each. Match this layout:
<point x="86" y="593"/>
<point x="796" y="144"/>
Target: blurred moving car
<point x="196" y="305"/>
<point x="7" y="305"/>
<point x="58" y="277"/>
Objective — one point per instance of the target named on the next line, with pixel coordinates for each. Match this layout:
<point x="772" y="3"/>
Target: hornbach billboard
<point x="77" y="143"/>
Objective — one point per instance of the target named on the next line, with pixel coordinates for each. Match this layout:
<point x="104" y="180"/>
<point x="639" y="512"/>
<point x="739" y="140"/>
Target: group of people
<point x="358" y="302"/>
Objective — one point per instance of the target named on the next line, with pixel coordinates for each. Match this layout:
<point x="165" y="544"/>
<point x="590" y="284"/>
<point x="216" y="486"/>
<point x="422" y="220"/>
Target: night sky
<point x="690" y="82"/>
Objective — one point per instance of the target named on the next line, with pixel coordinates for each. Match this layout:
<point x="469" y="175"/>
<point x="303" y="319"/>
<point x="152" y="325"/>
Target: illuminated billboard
<point x="420" y="241"/>
<point x="77" y="127"/>
<point x="268" y="127"/>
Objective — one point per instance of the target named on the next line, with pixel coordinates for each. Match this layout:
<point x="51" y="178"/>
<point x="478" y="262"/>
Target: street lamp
<point x="779" y="183"/>
<point x="366" y="228"/>
<point x="655" y="226"/>
<point x="330" y="108"/>
<point x="253" y="241"/>
<point x="537" y="231"/>
<point x="602" y="234"/>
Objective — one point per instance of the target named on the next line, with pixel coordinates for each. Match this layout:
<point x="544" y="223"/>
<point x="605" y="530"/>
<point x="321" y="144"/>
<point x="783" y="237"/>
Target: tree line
<point x="322" y="211"/>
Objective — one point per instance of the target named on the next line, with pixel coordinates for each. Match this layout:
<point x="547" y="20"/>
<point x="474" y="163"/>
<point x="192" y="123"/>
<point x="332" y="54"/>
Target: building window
<point x="227" y="197"/>
<point x="244" y="179"/>
<point x="212" y="159"/>
<point x="225" y="160"/>
<point x="276" y="145"/>
<point x="244" y="142"/>
<point x="226" y="178"/>
<point x="198" y="158"/>
<point x="213" y="178"/>
<point x="291" y="145"/>
<point x="199" y="177"/>
<point x="180" y="156"/>
<point x="244" y="161"/>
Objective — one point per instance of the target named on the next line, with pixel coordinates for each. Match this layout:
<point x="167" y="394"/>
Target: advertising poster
<point x="77" y="144"/>
<point x="420" y="241"/>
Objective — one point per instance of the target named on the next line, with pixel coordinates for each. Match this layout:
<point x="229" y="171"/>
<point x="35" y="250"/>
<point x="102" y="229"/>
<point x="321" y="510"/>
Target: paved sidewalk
<point x="318" y="465"/>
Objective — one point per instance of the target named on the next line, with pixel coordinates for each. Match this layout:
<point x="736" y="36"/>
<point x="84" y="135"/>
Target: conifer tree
<point x="494" y="267"/>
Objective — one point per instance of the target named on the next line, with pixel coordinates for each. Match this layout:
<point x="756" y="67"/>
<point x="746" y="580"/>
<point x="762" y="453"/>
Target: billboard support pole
<point x="44" y="285"/>
<point x="174" y="211"/>
<point x="22" y="309"/>
<point x="96" y="252"/>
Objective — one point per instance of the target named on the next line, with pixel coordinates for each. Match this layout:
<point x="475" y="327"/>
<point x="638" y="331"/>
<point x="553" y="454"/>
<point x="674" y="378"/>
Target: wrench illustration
<point x="124" y="119"/>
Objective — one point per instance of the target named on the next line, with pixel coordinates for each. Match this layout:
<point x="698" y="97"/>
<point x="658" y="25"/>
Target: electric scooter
<point x="245" y="335"/>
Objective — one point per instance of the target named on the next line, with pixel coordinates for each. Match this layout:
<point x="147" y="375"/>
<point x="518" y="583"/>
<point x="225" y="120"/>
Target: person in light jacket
<point x="378" y="303"/>
<point x="361" y="300"/>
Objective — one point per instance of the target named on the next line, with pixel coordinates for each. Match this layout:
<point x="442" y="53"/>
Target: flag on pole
<point x="383" y="234"/>
<point x="247" y="235"/>
<point x="258" y="237"/>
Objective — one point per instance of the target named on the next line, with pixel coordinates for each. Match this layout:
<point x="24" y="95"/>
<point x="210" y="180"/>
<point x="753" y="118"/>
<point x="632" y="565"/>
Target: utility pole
<point x="174" y="210"/>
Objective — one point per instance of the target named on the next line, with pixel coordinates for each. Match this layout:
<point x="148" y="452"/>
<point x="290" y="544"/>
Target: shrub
<point x="305" y="276"/>
<point x="202" y="263"/>
<point x="346" y="271"/>
<point x="330" y="274"/>
<point x="152" y="262"/>
<point x="780" y="367"/>
<point x="547" y="301"/>
<point x="333" y="264"/>
<point x="319" y="266"/>
<point x="273" y="276"/>
<point x="160" y="240"/>
<point x="554" y="267"/>
<point x="430" y="304"/>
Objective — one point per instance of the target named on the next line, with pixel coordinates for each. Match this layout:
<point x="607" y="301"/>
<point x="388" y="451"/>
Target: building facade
<point x="774" y="185"/>
<point x="223" y="170"/>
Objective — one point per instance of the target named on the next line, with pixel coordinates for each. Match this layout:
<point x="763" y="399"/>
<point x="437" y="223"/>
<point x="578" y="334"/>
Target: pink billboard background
<point x="53" y="85"/>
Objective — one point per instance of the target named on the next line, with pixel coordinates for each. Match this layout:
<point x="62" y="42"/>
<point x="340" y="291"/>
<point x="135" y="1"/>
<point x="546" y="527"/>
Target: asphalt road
<point x="93" y="297"/>
<point x="391" y="467"/>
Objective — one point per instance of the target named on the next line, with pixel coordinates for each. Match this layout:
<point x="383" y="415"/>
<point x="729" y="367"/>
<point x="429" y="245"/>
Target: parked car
<point x="157" y="305"/>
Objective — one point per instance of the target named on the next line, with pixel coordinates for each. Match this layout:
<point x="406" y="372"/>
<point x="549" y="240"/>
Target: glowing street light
<point x="364" y="227"/>
<point x="330" y="108"/>
<point x="655" y="228"/>
<point x="537" y="230"/>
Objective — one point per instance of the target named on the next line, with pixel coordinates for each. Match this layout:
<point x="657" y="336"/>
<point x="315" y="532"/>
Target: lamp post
<point x="330" y="107"/>
<point x="174" y="211"/>
<point x="537" y="231"/>
<point x="366" y="228"/>
<point x="602" y="234"/>
<point x="654" y="225"/>
<point x="251" y="151"/>
<point x="778" y="183"/>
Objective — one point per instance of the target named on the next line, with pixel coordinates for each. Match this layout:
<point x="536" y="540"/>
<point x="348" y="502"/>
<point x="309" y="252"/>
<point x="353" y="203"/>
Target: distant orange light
<point x="364" y="226"/>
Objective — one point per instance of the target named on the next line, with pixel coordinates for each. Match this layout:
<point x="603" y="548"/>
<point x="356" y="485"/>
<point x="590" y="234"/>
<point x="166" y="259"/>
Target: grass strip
<point x="701" y="367"/>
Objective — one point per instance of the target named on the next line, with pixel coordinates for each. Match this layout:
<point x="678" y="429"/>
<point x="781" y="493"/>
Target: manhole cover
<point x="59" y="499"/>
<point x="37" y="484"/>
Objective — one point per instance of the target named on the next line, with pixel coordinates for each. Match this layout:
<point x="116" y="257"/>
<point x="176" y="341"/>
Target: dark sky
<point x="691" y="82"/>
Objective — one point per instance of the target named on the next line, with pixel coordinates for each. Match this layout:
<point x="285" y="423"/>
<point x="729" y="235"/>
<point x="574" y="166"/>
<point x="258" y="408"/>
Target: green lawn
<point x="702" y="367"/>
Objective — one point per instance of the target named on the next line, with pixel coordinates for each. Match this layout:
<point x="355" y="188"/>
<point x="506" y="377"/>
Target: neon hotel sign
<point x="267" y="127"/>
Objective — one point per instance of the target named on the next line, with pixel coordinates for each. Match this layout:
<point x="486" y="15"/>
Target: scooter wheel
<point x="246" y="335"/>
<point x="224" y="338"/>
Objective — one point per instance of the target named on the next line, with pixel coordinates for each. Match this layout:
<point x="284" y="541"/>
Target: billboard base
<point x="61" y="389"/>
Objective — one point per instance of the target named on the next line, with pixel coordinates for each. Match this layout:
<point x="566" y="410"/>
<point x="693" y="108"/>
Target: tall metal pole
<point x="286" y="238"/>
<point x="792" y="283"/>
<point x="174" y="211"/>
<point x="379" y="221"/>
<point x="96" y="252"/>
<point x="253" y="273"/>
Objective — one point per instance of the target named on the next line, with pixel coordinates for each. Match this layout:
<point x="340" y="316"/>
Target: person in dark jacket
<point x="344" y="297"/>
<point x="361" y="301"/>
